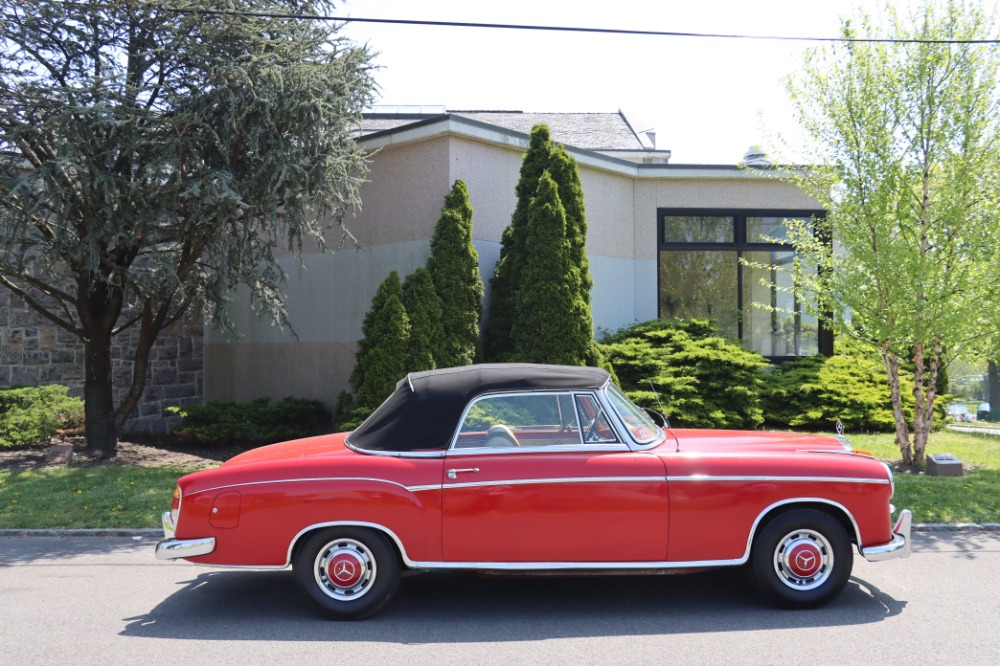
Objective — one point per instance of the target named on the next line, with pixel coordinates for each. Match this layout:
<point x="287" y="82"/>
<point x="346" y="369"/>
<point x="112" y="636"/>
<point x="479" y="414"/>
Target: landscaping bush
<point x="702" y="380"/>
<point x="32" y="414"/>
<point x="256" y="422"/>
<point x="814" y="392"/>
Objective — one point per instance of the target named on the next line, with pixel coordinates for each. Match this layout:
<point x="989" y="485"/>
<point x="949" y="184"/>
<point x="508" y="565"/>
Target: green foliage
<point x="256" y="422"/>
<point x="701" y="380"/>
<point x="514" y="294"/>
<point x="815" y="392"/>
<point x="454" y="269"/>
<point x="151" y="161"/>
<point x="548" y="327"/>
<point x="905" y="144"/>
<point x="424" y="311"/>
<point x="29" y="415"/>
<point x="506" y="282"/>
<point x="383" y="351"/>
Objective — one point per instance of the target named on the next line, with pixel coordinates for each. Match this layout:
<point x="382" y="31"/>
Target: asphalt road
<point x="93" y="600"/>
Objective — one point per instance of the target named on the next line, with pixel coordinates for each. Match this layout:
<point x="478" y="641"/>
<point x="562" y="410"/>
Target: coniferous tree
<point x="383" y="350"/>
<point x="423" y="308"/>
<point x="454" y="269"/>
<point x="152" y="160"/>
<point x="564" y="172"/>
<point x="545" y="329"/>
<point x="506" y="281"/>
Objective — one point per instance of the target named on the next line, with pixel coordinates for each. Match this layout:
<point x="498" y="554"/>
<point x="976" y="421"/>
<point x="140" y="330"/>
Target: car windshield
<point x="640" y="426"/>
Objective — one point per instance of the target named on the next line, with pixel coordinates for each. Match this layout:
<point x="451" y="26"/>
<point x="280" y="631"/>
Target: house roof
<point x="589" y="131"/>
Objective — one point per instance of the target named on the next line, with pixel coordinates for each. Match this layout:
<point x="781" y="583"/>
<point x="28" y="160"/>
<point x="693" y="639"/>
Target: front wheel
<point x="801" y="559"/>
<point x="349" y="572"/>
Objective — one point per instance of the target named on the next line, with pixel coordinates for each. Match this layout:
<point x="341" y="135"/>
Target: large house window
<point x="701" y="276"/>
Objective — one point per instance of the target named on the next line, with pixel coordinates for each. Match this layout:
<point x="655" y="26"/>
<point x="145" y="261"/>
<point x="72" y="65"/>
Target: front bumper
<point x="900" y="544"/>
<point x="172" y="549"/>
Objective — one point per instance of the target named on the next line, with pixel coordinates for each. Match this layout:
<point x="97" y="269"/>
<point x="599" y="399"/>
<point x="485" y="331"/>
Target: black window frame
<point x="740" y="245"/>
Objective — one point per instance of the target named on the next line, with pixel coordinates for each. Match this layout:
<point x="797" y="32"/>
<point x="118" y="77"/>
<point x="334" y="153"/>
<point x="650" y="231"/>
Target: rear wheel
<point x="349" y="572"/>
<point x="801" y="559"/>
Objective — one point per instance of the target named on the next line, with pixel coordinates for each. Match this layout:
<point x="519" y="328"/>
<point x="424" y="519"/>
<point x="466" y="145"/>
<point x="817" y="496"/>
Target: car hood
<point x="742" y="441"/>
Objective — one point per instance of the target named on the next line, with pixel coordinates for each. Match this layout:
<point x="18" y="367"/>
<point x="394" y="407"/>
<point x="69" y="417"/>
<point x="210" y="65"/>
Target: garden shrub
<point x="256" y="422"/>
<point x="700" y="379"/>
<point x="32" y="414"/>
<point x="814" y="392"/>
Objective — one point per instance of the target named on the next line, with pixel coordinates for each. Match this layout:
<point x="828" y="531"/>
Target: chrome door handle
<point x="453" y="473"/>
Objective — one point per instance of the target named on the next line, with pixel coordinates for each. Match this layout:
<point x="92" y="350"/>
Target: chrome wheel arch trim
<point x="801" y="500"/>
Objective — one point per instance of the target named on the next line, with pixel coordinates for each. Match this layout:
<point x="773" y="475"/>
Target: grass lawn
<point x="136" y="496"/>
<point x="973" y="498"/>
<point x="86" y="497"/>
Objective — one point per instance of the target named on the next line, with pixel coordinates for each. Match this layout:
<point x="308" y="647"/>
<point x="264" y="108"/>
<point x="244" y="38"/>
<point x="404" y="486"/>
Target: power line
<point x="557" y="28"/>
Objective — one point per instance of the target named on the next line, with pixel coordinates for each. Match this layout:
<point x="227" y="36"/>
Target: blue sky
<point x="708" y="99"/>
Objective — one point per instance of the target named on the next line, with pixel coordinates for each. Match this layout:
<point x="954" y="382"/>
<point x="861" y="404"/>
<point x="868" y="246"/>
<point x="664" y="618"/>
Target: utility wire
<point x="557" y="28"/>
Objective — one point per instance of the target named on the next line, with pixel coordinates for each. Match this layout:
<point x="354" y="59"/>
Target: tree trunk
<point x="919" y="404"/>
<point x="99" y="407"/>
<point x="902" y="431"/>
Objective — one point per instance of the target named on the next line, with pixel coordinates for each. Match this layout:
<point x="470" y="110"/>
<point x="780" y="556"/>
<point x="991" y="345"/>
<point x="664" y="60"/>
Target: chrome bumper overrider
<point x="172" y="549"/>
<point x="898" y="547"/>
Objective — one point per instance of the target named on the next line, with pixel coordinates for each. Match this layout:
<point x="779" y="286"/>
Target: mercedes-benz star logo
<point x="805" y="560"/>
<point x="343" y="571"/>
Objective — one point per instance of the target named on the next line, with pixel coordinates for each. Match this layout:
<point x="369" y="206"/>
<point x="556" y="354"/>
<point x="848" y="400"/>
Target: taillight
<point x="175" y="506"/>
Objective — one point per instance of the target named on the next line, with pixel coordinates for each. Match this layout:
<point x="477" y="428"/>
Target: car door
<point x="521" y="485"/>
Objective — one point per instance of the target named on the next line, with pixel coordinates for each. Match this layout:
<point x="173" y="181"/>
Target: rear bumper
<point x="172" y="549"/>
<point x="898" y="547"/>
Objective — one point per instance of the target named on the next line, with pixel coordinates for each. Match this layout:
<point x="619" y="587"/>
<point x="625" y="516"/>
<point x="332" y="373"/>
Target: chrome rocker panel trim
<point x="900" y="546"/>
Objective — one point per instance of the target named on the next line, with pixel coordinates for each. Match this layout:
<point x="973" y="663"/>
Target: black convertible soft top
<point x="423" y="412"/>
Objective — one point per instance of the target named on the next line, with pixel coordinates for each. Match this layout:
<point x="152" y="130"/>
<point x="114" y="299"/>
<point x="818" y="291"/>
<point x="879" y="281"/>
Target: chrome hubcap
<point x="345" y="569"/>
<point x="803" y="559"/>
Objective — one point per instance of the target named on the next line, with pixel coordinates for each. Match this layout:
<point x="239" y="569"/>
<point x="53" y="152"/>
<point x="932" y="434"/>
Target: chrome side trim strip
<point x="568" y="566"/>
<point x="581" y="479"/>
<point x="806" y="479"/>
<point x="571" y="479"/>
<point x="302" y="480"/>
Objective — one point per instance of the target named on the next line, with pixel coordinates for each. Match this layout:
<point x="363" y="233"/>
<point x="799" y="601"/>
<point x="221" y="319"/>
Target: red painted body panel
<point x="695" y="498"/>
<point x="555" y="507"/>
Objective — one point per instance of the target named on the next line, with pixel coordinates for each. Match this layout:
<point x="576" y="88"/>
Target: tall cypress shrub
<point x="423" y="309"/>
<point x="507" y="275"/>
<point x="564" y="172"/>
<point x="545" y="329"/>
<point x="454" y="270"/>
<point x="383" y="351"/>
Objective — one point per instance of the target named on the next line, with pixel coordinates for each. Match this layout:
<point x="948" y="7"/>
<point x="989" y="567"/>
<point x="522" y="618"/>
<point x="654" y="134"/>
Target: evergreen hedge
<point x="425" y="313"/>
<point x="32" y="414"/>
<point x="684" y="369"/>
<point x="253" y="423"/>
<point x="454" y="270"/>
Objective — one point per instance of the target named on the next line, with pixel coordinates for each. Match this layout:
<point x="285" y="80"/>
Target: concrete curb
<point x="158" y="533"/>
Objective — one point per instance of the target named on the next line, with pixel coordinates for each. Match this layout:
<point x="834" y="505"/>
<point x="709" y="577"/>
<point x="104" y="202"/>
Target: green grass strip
<point x="133" y="497"/>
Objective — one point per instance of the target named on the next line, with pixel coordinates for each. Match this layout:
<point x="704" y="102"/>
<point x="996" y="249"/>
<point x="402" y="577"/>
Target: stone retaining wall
<point x="34" y="351"/>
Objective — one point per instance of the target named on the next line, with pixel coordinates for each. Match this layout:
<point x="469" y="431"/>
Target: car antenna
<point x="666" y="421"/>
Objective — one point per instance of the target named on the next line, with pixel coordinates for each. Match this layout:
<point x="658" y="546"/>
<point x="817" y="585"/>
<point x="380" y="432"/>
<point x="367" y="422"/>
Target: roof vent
<point x="756" y="157"/>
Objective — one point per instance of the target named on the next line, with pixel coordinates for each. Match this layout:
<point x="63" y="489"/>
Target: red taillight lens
<point x="176" y="504"/>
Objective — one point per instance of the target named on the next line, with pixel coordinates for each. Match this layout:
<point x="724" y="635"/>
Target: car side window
<point x="596" y="427"/>
<point x="524" y="420"/>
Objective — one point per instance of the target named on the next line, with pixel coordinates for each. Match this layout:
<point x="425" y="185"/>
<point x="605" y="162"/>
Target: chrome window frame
<point x="618" y="446"/>
<point x="631" y="441"/>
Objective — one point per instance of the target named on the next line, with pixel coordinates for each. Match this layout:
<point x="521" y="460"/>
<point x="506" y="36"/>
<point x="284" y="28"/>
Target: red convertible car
<point x="534" y="468"/>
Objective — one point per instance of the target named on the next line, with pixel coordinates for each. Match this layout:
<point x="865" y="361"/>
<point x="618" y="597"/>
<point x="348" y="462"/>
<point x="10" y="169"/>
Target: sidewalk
<point x="984" y="430"/>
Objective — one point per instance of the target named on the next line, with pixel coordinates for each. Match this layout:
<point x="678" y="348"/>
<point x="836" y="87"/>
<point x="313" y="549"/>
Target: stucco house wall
<point x="412" y="171"/>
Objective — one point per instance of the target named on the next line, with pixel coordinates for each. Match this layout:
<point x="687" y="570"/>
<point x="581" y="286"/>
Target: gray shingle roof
<point x="591" y="131"/>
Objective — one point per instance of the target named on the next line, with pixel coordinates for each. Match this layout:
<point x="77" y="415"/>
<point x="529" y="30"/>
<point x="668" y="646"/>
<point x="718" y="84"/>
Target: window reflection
<point x="698" y="229"/>
<point x="700" y="284"/>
